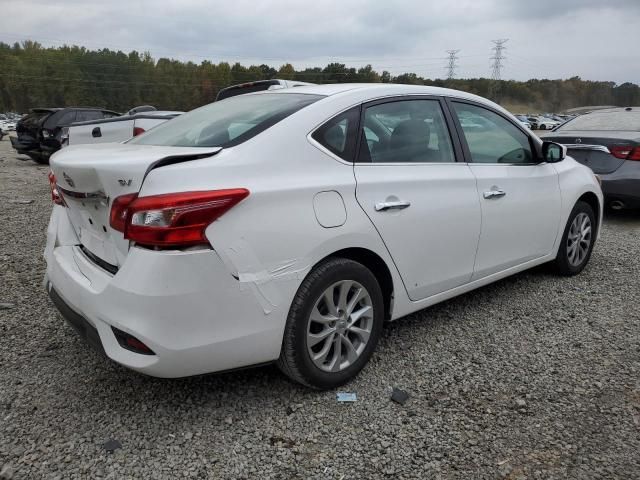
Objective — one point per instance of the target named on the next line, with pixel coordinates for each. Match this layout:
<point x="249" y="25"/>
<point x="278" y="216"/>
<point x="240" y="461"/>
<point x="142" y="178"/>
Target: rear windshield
<point x="226" y="123"/>
<point x="621" y="121"/>
<point x="34" y="118"/>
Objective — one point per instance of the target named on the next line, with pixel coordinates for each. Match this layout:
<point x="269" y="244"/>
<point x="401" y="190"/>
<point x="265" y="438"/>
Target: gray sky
<point x="594" y="39"/>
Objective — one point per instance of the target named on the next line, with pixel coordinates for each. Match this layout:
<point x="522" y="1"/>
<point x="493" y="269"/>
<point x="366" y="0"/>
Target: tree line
<point x="32" y="75"/>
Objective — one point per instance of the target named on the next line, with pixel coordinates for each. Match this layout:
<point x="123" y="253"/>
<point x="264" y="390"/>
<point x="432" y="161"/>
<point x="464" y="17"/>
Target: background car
<point x="116" y="129"/>
<point x="263" y="229"/>
<point x="541" y="123"/>
<point x="40" y="132"/>
<point x="258" y="86"/>
<point x="608" y="142"/>
<point x="524" y="121"/>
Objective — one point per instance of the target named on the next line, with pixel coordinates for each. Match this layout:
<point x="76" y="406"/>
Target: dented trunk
<point x="89" y="178"/>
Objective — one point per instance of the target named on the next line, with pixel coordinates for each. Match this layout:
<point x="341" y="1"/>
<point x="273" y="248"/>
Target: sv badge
<point x="124" y="183"/>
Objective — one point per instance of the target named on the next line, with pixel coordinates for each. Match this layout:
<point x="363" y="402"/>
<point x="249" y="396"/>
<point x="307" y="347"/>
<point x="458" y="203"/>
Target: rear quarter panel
<point x="271" y="240"/>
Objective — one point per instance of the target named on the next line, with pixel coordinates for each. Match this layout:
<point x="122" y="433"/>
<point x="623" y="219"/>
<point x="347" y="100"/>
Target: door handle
<point x="494" y="194"/>
<point x="95" y="133"/>
<point x="397" y="205"/>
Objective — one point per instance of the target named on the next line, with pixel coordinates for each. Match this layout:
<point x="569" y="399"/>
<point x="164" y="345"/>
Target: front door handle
<point x="397" y="205"/>
<point x="494" y="194"/>
<point x="95" y="133"/>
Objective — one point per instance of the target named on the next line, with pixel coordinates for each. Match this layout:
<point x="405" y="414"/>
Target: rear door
<point x="520" y="197"/>
<point x="421" y="200"/>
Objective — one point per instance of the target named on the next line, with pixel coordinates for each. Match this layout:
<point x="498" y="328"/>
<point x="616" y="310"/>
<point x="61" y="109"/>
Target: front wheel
<point x="542" y="127"/>
<point x="577" y="241"/>
<point x="333" y="326"/>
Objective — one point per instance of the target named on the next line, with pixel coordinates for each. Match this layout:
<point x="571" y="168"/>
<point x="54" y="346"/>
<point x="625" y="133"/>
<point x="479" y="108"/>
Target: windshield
<point x="620" y="121"/>
<point x="228" y="122"/>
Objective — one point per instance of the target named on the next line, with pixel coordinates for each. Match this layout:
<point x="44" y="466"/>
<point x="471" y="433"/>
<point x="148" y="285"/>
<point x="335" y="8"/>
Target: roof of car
<point x="616" y="109"/>
<point x="379" y="90"/>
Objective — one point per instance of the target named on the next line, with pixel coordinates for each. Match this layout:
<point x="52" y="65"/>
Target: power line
<point x="451" y="67"/>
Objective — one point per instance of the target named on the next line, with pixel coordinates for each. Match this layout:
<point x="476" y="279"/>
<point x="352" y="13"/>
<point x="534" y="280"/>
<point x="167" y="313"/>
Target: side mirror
<point x="553" y="152"/>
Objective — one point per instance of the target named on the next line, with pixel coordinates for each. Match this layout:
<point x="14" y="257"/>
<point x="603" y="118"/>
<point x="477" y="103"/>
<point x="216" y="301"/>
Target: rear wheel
<point x="333" y="326"/>
<point x="577" y="241"/>
<point x="542" y="127"/>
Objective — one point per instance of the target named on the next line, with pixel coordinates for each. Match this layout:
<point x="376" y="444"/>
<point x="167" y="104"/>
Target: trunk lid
<point x="90" y="177"/>
<point x="592" y="148"/>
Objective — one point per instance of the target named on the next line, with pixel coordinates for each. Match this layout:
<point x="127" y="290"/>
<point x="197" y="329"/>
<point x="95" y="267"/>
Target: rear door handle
<point x="95" y="133"/>
<point x="494" y="194"/>
<point x="397" y="205"/>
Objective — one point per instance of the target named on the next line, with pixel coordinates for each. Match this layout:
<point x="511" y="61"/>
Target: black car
<point x="607" y="141"/>
<point x="40" y="132"/>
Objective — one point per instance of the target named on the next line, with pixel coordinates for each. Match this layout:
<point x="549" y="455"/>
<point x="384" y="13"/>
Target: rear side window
<point x="228" y="122"/>
<point x="338" y="135"/>
<point x="492" y="138"/>
<point x="86" y="115"/>
<point x="405" y="131"/>
<point x="65" y="118"/>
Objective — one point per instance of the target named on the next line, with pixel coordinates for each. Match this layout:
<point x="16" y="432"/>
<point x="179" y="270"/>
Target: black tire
<point x="543" y="127"/>
<point x="562" y="264"/>
<point x="295" y="360"/>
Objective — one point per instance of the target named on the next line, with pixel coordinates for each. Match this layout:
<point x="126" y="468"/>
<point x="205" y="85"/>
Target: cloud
<point x="548" y="38"/>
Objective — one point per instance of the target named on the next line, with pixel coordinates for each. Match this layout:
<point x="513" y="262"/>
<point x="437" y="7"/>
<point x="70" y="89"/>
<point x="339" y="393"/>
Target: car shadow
<point x="265" y="384"/>
<point x="620" y="217"/>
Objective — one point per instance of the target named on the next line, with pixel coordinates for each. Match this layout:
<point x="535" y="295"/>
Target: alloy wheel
<point x="339" y="326"/>
<point x="579" y="239"/>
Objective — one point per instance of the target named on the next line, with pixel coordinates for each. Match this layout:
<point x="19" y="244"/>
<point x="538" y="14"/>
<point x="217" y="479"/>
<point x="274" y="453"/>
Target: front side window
<point x="338" y="135"/>
<point x="405" y="131"/>
<point x="227" y="122"/>
<point x="491" y="138"/>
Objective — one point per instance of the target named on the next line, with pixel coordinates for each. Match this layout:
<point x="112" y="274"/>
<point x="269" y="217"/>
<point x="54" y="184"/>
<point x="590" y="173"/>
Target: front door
<point x="519" y="195"/>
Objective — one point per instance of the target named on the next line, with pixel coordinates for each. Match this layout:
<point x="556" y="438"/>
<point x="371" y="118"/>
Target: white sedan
<point x="287" y="226"/>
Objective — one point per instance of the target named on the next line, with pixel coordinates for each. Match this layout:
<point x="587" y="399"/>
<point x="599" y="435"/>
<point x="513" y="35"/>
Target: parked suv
<point x="40" y="132"/>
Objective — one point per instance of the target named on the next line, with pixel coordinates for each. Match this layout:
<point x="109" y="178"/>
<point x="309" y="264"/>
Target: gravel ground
<point x="533" y="377"/>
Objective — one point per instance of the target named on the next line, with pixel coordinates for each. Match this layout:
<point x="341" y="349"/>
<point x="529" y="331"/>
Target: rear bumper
<point x="80" y="324"/>
<point x="185" y="306"/>
<point x="22" y="146"/>
<point x="623" y="184"/>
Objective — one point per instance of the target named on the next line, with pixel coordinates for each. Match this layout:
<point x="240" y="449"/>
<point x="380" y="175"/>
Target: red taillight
<point x="138" y="131"/>
<point x="55" y="193"/>
<point x="635" y="154"/>
<point x="625" y="152"/>
<point x="173" y="219"/>
<point x="119" y="211"/>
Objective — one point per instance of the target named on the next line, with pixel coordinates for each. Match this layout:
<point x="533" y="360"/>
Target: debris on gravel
<point x="111" y="445"/>
<point x="536" y="376"/>
<point x="399" y="396"/>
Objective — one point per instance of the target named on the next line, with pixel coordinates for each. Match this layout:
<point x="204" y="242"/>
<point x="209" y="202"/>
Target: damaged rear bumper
<point x="185" y="305"/>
